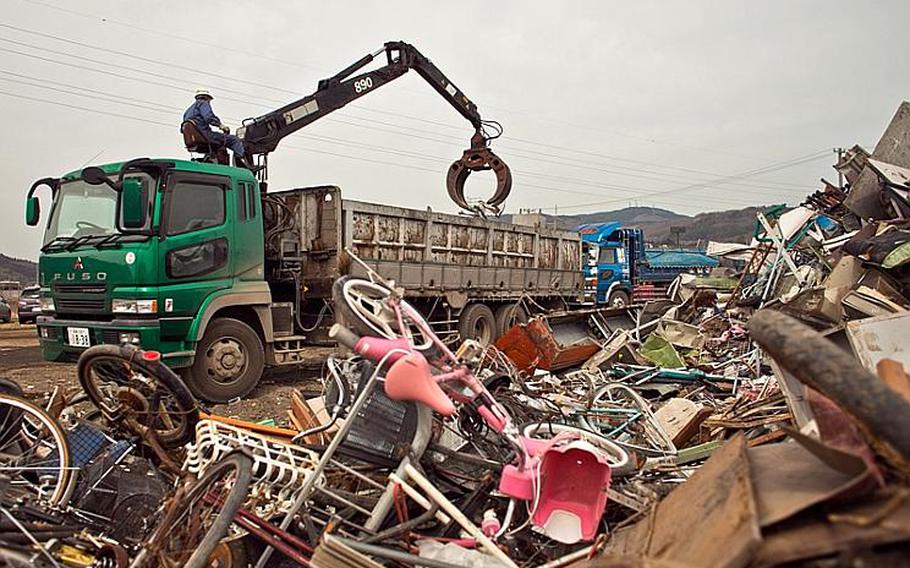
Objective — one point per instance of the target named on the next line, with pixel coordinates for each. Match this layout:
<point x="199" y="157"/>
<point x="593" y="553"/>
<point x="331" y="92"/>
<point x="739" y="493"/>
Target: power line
<point x="436" y="159"/>
<point x="788" y="164"/>
<point x="305" y="149"/>
<point x="145" y="59"/>
<point x="178" y="87"/>
<point x="227" y="48"/>
<point x="160" y="33"/>
<point x="722" y="180"/>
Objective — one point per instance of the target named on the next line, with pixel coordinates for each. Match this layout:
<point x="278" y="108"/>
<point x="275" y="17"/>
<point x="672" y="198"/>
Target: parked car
<point x="6" y="313"/>
<point x="29" y="304"/>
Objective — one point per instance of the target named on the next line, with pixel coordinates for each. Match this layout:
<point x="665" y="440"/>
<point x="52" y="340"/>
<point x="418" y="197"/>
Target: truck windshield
<point x="82" y="210"/>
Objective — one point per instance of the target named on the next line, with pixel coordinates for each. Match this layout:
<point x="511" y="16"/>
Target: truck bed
<point x="428" y="253"/>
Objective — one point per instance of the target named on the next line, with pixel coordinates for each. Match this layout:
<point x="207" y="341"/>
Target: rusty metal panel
<point x="550" y="342"/>
<point x="429" y="253"/>
<point x="549" y="253"/>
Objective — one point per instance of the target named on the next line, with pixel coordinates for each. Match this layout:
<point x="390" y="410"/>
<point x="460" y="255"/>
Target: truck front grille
<point x="73" y="306"/>
<point x="80" y="298"/>
<point x="80" y="289"/>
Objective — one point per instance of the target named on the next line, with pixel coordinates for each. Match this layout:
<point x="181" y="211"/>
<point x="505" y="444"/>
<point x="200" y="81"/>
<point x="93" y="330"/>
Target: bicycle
<point x="197" y="517"/>
<point x="135" y="391"/>
<point x="423" y="369"/>
<point x="34" y="453"/>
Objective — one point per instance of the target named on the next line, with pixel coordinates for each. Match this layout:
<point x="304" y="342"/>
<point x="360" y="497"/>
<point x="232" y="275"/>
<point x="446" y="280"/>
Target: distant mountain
<point x="735" y="225"/>
<point x="24" y="271"/>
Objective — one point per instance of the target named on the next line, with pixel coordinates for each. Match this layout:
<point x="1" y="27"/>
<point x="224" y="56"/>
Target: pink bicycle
<point x="563" y="480"/>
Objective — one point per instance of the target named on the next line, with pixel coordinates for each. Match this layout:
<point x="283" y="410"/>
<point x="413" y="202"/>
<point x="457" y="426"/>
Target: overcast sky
<point x="690" y="106"/>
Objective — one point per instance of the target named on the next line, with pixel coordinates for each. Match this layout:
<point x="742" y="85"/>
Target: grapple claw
<point x="474" y="160"/>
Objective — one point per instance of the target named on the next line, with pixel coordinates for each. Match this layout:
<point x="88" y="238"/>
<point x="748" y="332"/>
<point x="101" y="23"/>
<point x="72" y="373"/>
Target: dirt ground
<point x="20" y="361"/>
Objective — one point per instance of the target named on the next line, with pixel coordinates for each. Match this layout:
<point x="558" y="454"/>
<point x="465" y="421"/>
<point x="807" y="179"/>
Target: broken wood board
<point x="711" y="520"/>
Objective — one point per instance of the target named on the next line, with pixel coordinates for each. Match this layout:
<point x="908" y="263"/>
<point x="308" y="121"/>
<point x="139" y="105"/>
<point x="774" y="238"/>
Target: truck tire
<point x="618" y="299"/>
<point x="508" y="315"/>
<point x="229" y="361"/>
<point x="477" y="322"/>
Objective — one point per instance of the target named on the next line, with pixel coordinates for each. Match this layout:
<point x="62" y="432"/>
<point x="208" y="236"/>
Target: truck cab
<point x="620" y="268"/>
<point x="613" y="256"/>
<point x="158" y="253"/>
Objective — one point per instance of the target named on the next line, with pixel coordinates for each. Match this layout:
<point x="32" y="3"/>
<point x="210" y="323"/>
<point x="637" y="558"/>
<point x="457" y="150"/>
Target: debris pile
<point x="758" y="416"/>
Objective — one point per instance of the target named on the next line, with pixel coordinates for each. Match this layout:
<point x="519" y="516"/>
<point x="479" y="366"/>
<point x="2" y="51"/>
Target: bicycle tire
<point x="164" y="534"/>
<point x="113" y="406"/>
<point x="60" y="494"/>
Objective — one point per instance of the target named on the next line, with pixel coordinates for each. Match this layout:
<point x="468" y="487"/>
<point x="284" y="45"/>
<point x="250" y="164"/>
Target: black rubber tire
<point x="477" y="322"/>
<point x="10" y="387"/>
<point x="203" y="382"/>
<point x="243" y="465"/>
<point x="168" y="380"/>
<point x="619" y="299"/>
<point x="508" y="315"/>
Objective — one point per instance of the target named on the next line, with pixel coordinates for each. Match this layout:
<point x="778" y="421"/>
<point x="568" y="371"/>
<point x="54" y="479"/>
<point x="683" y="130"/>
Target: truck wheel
<point x="509" y="315"/>
<point x="229" y="361"/>
<point x="618" y="299"/>
<point x="477" y="322"/>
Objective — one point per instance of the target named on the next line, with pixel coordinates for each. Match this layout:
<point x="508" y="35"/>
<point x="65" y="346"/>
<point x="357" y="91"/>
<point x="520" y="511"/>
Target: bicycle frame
<point x="452" y="371"/>
<point x="532" y="478"/>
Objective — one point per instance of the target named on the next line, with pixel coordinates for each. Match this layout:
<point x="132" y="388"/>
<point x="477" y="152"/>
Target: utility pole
<point x="676" y="230"/>
<point x="840" y="176"/>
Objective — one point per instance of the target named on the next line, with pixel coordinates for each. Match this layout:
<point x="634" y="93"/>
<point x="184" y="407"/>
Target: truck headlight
<point x="47" y="304"/>
<point x="124" y="306"/>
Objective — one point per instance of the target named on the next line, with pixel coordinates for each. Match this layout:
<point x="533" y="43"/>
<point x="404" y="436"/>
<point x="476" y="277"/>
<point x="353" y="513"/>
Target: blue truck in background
<point x="619" y="269"/>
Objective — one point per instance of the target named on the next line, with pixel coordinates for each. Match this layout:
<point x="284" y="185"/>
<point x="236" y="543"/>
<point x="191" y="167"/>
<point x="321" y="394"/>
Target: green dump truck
<point x="195" y="260"/>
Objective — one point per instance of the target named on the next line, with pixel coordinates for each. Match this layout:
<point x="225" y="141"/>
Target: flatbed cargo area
<point x="429" y="253"/>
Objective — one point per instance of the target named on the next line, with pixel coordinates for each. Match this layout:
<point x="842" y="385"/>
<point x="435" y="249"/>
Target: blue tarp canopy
<point x="673" y="258"/>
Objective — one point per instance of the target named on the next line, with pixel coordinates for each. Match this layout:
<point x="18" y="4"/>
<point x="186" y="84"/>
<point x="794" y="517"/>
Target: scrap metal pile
<point x="712" y="428"/>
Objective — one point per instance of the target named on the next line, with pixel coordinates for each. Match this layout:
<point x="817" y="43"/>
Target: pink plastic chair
<point x="574" y="480"/>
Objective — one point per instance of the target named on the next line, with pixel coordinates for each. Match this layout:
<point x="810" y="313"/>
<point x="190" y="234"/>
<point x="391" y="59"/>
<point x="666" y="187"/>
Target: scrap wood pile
<point x="755" y="417"/>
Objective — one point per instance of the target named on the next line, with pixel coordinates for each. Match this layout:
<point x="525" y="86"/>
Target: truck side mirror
<point x="132" y="204"/>
<point x="95" y="176"/>
<point x="32" y="211"/>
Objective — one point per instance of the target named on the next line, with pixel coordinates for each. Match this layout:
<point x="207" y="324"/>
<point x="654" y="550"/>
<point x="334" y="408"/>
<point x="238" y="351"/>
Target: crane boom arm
<point x="261" y="135"/>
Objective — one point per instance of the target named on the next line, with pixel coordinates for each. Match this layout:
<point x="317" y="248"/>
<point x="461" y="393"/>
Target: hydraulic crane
<point x="262" y="134"/>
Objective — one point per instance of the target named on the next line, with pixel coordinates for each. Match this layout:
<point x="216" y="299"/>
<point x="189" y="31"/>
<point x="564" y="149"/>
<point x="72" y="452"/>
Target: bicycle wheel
<point x="196" y="519"/>
<point x="364" y="307"/>
<point x="34" y="453"/>
<point x="638" y="432"/>
<point x="135" y="390"/>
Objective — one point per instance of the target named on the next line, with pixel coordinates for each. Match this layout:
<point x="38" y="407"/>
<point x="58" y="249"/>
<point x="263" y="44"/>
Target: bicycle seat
<point x="409" y="378"/>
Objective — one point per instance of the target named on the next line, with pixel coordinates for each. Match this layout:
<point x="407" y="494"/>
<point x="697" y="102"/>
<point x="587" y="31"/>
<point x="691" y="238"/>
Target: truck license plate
<point x="78" y="336"/>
